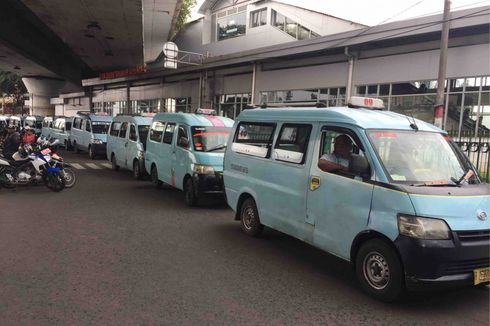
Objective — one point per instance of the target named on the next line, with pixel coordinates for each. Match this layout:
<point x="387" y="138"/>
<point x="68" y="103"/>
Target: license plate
<point x="482" y="275"/>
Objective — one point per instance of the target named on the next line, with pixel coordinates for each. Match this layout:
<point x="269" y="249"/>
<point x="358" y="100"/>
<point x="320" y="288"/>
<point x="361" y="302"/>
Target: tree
<point x="11" y="85"/>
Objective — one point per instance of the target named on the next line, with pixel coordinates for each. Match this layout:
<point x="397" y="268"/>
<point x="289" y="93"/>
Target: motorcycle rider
<point x="11" y="142"/>
<point x="28" y="137"/>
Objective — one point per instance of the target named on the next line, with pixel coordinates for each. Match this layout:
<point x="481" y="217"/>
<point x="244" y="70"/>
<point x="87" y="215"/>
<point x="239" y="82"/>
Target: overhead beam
<point x="26" y="34"/>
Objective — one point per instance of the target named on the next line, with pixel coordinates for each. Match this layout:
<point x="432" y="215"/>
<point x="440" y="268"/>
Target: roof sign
<point x="206" y="111"/>
<point x="366" y="102"/>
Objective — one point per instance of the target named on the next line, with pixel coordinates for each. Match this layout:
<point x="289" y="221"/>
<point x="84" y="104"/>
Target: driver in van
<point x="340" y="158"/>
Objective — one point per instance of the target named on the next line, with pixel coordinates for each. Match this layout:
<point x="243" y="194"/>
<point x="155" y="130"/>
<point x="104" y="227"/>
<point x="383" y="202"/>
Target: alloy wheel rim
<point x="376" y="270"/>
<point x="248" y="217"/>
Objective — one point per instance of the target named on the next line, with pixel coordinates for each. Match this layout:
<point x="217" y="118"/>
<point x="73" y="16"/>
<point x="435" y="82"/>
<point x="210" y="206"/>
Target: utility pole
<point x="439" y="107"/>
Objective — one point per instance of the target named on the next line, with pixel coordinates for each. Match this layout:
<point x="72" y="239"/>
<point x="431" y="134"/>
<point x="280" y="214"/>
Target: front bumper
<point x="435" y="263"/>
<point x="209" y="183"/>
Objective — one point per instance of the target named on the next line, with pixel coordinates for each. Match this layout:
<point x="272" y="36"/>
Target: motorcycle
<point x="30" y="165"/>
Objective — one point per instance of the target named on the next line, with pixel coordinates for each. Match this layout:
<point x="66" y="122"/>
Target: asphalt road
<point x="115" y="251"/>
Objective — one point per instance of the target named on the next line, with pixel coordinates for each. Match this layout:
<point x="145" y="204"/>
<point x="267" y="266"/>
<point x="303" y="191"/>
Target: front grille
<point x="473" y="236"/>
<point x="466" y="266"/>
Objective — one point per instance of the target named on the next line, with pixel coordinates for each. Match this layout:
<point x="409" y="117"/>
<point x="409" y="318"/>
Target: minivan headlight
<point x="203" y="169"/>
<point x="423" y="228"/>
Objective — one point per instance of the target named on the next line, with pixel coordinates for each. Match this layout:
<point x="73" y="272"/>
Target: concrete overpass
<point x="55" y="44"/>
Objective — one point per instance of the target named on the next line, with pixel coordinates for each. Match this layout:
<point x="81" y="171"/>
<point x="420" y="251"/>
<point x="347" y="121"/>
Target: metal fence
<point x="477" y="148"/>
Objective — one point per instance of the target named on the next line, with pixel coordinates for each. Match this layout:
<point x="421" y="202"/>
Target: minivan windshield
<point x="100" y="127"/>
<point x="210" y="139"/>
<point x="420" y="158"/>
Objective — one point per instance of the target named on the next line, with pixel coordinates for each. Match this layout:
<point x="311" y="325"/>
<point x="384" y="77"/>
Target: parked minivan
<point x="89" y="132"/>
<point x="185" y="151"/>
<point x="61" y="130"/>
<point x="33" y="121"/>
<point x="391" y="194"/>
<point x="15" y="121"/>
<point x="47" y="127"/>
<point x="126" y="143"/>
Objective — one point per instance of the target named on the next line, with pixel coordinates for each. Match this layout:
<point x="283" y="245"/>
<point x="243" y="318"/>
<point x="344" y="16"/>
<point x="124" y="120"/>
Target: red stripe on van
<point x="215" y="121"/>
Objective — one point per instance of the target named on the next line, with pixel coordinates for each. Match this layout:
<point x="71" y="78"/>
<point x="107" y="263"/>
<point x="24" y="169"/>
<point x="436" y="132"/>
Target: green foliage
<point x="184" y="14"/>
<point x="11" y="84"/>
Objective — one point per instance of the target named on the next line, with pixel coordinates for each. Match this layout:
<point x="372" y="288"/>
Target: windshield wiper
<point x="215" y="148"/>
<point x="430" y="184"/>
<point x="465" y="177"/>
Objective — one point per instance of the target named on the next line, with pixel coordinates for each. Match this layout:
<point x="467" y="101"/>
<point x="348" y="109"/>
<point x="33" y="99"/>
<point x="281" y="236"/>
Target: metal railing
<point x="477" y="148"/>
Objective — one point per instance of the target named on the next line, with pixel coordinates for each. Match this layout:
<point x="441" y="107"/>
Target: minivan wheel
<point x="190" y="193"/>
<point x="137" y="174"/>
<point x="115" y="167"/>
<point x="379" y="271"/>
<point x="249" y="218"/>
<point x="91" y="153"/>
<point x="154" y="178"/>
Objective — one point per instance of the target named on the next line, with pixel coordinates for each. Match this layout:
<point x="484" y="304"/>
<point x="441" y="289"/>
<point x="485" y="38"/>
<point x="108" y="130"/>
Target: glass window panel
<point x="303" y="33"/>
<point x="420" y="107"/>
<point x="372" y="90"/>
<point x="278" y="20"/>
<point x="258" y="18"/>
<point x="361" y="90"/>
<point x="291" y="27"/>
<point x="231" y="26"/>
<point x="384" y="89"/>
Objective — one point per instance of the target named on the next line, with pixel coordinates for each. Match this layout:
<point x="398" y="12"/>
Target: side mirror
<point x="360" y="166"/>
<point x="183" y="142"/>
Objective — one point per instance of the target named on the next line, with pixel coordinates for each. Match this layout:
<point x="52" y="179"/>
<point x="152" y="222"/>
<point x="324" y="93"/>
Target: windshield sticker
<point x="386" y="135"/>
<point x="215" y="121"/>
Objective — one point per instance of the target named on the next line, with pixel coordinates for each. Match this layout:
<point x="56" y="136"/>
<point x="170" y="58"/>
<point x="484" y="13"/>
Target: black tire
<point x="115" y="167"/>
<point x="91" y="153"/>
<point x="137" y="173"/>
<point x="249" y="218"/>
<point x="380" y="271"/>
<point x="190" y="196"/>
<point x="154" y="178"/>
<point x="4" y="180"/>
<point x="70" y="177"/>
<point x="55" y="182"/>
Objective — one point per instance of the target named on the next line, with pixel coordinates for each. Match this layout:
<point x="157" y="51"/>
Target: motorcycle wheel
<point x="4" y="181"/>
<point x="70" y="177"/>
<point x="55" y="182"/>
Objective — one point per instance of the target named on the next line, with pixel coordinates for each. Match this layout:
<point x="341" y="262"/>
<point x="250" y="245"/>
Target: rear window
<point x="254" y="139"/>
<point x="99" y="127"/>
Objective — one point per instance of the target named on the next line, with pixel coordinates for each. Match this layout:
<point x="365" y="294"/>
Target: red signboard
<point x="122" y="73"/>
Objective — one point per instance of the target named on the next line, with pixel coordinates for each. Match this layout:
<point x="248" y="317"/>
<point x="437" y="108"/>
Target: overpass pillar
<point x="40" y="90"/>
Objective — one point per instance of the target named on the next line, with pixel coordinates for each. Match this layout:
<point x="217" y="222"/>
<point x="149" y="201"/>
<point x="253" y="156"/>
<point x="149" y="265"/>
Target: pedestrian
<point x="11" y="142"/>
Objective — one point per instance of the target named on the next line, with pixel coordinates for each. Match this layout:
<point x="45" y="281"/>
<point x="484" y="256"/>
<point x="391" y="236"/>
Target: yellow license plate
<point x="482" y="275"/>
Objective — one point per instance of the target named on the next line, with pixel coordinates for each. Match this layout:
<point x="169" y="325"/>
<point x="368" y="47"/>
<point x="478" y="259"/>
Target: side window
<point x="76" y="123"/>
<point x="88" y="126"/>
<point x="341" y="152"/>
<point x="292" y="143"/>
<point x="50" y="124"/>
<point x="124" y="129"/>
<point x="254" y="139"/>
<point x="181" y="135"/>
<point x="156" y="131"/>
<point x="132" y="133"/>
<point x="115" y="126"/>
<point x="169" y="133"/>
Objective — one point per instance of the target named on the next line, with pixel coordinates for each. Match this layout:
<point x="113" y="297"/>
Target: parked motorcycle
<point x="32" y="164"/>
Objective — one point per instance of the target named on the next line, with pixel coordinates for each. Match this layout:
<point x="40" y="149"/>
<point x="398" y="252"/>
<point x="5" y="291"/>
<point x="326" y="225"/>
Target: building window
<point x="291" y="27"/>
<point x="328" y="96"/>
<point x="258" y="18"/>
<point x="231" y="105"/>
<point x="178" y="104"/>
<point x="231" y="26"/>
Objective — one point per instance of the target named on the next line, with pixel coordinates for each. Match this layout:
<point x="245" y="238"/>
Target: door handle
<point x="314" y="182"/>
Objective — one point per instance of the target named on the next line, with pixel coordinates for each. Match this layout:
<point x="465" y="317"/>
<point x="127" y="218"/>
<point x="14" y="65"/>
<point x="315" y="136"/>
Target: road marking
<point x="77" y="166"/>
<point x="107" y="165"/>
<point x="93" y="166"/>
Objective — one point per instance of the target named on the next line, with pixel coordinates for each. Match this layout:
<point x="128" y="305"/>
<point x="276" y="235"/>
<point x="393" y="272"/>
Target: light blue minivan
<point x="185" y="151"/>
<point x="47" y="127"/>
<point x="61" y="130"/>
<point x="89" y="133"/>
<point x="33" y="121"/>
<point x="391" y="194"/>
<point x="126" y="143"/>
